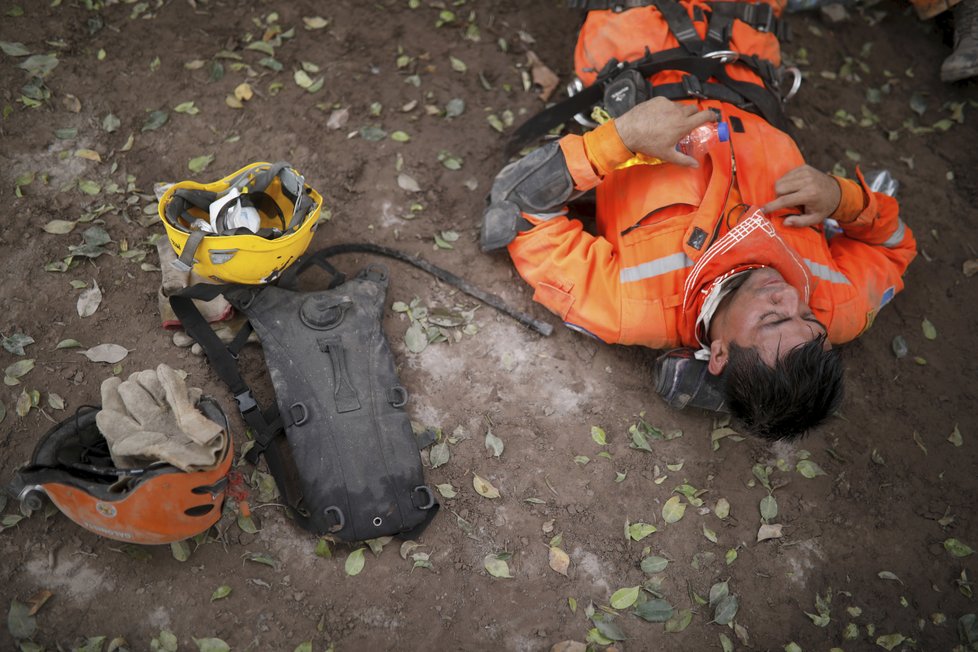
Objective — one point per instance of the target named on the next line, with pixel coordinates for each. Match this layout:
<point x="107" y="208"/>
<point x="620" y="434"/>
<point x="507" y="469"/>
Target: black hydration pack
<point x="338" y="442"/>
<point x="347" y="462"/>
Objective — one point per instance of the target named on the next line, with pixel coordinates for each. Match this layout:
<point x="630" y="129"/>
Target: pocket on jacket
<point x="644" y="323"/>
<point x="667" y="197"/>
<point x="553" y="298"/>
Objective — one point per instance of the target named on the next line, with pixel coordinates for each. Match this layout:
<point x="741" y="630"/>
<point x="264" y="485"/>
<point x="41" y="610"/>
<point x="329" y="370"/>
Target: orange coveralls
<point x="642" y="278"/>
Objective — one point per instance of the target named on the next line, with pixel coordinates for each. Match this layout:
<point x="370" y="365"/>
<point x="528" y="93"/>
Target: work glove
<point x="174" y="280"/>
<point x="151" y="417"/>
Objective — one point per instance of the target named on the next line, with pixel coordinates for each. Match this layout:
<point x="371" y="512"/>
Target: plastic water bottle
<point x="696" y="143"/>
<point x="699" y="141"/>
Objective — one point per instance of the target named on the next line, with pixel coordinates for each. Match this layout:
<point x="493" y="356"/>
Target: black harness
<point x="621" y="85"/>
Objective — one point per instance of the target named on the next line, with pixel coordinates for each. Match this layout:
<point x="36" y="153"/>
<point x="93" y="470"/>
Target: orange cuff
<point x="605" y="149"/>
<point x="851" y="203"/>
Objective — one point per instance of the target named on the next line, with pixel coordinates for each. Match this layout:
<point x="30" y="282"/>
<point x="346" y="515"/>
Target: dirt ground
<point x="862" y="562"/>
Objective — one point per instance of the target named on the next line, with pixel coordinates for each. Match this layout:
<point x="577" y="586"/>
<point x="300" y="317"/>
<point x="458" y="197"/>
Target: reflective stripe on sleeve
<point x="826" y="273"/>
<point x="897" y="236"/>
<point x="663" y="265"/>
<point x="543" y="217"/>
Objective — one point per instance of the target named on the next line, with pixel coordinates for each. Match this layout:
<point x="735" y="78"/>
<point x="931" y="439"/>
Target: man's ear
<point x="719" y="356"/>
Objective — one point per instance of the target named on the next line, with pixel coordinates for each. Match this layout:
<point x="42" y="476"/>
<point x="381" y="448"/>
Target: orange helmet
<point x="156" y="504"/>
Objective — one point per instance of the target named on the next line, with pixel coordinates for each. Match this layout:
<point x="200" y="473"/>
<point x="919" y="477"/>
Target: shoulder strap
<point x="266" y="425"/>
<point x="695" y="56"/>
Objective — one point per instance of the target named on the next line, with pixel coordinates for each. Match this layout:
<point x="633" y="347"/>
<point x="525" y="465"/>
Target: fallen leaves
<point x="59" y="227"/>
<point x="338" y="119"/>
<point x="930" y="332"/>
<point x="957" y="548"/>
<point x="89" y="301"/>
<point x="14" y="372"/>
<point x="483" y="487"/>
<point x="769" y="531"/>
<point x="14" y="49"/>
<point x="109" y="353"/>
<point x="625" y="598"/>
<point x="673" y="510"/>
<point x="559" y="560"/>
<point x="15" y="343"/>
<point x="221" y="592"/>
<point x="638" y="531"/>
<point x="315" y="22"/>
<point x="494" y="444"/>
<point x="199" y="163"/>
<point x="408" y="183"/>
<point x="809" y="469"/>
<point x="304" y="81"/>
<point x="20" y="623"/>
<point x="180" y="550"/>
<point x="497" y="565"/>
<point x="155" y="120"/>
<point x="354" y="562"/>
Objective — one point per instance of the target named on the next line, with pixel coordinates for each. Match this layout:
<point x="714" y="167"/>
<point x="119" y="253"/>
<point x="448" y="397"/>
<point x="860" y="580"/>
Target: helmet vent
<point x="198" y="510"/>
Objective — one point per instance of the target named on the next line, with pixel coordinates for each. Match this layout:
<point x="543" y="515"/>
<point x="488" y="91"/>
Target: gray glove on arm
<point x="151" y="418"/>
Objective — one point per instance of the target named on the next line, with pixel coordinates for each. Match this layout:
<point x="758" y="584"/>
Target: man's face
<point x="764" y="313"/>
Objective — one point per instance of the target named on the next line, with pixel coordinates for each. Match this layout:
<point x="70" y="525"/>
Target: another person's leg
<point x="963" y="62"/>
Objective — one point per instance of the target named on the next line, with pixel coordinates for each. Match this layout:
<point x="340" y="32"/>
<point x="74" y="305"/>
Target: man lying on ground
<point x="729" y="254"/>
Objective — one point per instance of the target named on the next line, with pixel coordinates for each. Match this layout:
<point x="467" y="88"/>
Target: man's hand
<point x="815" y="193"/>
<point x="655" y="126"/>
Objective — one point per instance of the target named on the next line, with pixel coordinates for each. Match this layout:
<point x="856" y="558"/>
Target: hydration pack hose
<point x="487" y="298"/>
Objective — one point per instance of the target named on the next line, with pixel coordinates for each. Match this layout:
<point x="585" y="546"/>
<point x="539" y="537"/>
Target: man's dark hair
<point x="784" y="401"/>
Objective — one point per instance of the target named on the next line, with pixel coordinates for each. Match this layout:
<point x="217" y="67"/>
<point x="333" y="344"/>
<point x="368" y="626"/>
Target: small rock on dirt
<point x="835" y="13"/>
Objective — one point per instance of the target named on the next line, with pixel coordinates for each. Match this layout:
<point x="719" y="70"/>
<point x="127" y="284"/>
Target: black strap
<point x="764" y="100"/>
<point x="613" y="5"/>
<point x="681" y="26"/>
<point x="265" y="425"/>
<point x="693" y="87"/>
<point x="673" y="59"/>
<point x="758" y="15"/>
<point x="554" y="116"/>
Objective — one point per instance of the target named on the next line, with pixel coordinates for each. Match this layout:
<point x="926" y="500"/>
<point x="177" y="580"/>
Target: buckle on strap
<point x="767" y="17"/>
<point x="693" y="87"/>
<point x="758" y="15"/>
<point x="246" y="401"/>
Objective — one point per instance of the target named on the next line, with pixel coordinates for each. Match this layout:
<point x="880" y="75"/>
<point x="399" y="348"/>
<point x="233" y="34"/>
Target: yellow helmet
<point x="246" y="228"/>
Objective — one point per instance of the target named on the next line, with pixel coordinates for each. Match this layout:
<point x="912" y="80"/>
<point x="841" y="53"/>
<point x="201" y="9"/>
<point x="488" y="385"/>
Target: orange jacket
<point x="642" y="277"/>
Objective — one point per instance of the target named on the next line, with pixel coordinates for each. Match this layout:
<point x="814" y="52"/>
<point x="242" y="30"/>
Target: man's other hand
<point x="815" y="193"/>
<point x="655" y="126"/>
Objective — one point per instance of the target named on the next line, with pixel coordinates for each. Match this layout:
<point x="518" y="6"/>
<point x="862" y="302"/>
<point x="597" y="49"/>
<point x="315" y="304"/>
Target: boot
<point x="963" y="62"/>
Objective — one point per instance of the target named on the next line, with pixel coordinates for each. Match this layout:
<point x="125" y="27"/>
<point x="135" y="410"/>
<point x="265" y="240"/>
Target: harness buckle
<point x="693" y="87"/>
<point x="758" y="15"/>
<point x="767" y="15"/>
<point x="246" y="401"/>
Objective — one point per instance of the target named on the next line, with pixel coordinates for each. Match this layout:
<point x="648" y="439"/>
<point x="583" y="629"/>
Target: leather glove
<point x="174" y="280"/>
<point x="150" y="417"/>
